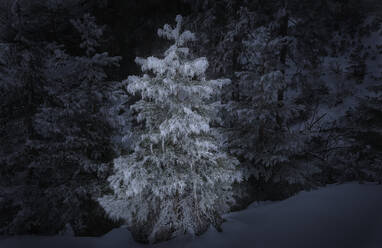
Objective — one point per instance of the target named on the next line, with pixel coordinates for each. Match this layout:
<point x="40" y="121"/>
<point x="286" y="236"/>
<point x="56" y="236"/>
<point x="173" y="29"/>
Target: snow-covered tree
<point x="178" y="179"/>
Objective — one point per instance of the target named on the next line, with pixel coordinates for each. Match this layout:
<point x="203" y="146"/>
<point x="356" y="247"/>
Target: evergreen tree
<point x="177" y="180"/>
<point x="264" y="134"/>
<point x="72" y="147"/>
<point x="56" y="132"/>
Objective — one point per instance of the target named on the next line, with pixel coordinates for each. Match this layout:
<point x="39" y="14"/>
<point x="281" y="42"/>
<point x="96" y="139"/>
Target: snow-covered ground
<point x="348" y="215"/>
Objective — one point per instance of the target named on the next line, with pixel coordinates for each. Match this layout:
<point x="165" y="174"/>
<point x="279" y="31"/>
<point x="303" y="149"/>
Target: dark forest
<point x="163" y="116"/>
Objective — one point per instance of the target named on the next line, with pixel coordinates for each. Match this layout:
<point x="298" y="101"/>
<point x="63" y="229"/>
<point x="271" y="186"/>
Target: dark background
<point x="60" y="107"/>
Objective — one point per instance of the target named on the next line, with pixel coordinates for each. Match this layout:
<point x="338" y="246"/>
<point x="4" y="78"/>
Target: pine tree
<point x="177" y="180"/>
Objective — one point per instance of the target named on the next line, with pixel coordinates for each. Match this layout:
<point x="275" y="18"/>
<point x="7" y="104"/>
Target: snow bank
<point x="348" y="215"/>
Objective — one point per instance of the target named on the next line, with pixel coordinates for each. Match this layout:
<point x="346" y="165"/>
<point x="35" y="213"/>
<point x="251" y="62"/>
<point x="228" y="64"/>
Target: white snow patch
<point x="347" y="215"/>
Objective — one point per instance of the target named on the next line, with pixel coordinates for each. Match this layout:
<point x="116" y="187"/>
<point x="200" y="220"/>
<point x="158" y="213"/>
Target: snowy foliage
<point x="178" y="179"/>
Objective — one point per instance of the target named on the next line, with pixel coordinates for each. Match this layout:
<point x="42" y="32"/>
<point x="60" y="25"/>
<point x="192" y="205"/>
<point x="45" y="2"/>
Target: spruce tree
<point x="177" y="180"/>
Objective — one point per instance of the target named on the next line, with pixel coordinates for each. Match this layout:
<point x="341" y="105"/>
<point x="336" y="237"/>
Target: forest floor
<point x="347" y="215"/>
